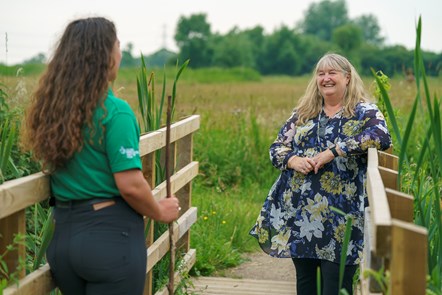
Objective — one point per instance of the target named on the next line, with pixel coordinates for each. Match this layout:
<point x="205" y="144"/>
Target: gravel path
<point x="259" y="265"/>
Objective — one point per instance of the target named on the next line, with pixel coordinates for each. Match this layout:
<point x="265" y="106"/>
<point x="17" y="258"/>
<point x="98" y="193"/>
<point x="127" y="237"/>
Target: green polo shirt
<point x="114" y="148"/>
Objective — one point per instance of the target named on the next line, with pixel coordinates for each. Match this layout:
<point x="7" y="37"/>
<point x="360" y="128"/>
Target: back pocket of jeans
<point x="103" y="250"/>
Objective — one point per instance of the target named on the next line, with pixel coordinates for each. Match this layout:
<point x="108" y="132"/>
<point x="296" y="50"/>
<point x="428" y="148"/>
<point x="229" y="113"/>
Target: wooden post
<point x="388" y="160"/>
<point x="408" y="266"/>
<point x="370" y="261"/>
<point x="149" y="174"/>
<point x="184" y="157"/>
<point x="389" y="178"/>
<point x="401" y="205"/>
<point x="9" y="227"/>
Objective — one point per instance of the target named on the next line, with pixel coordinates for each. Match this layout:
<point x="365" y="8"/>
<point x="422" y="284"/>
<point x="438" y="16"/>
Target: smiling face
<point x="332" y="83"/>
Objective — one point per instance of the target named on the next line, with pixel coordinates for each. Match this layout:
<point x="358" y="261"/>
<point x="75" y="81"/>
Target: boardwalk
<point x="229" y="286"/>
<point x="259" y="274"/>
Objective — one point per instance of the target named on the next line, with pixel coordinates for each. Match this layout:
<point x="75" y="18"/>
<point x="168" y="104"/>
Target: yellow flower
<point x="223" y="222"/>
<point x="213" y="212"/>
<point x="331" y="183"/>
<point x="205" y="218"/>
<point x="352" y="127"/>
<point x="370" y="143"/>
<point x="339" y="232"/>
<point x="263" y="235"/>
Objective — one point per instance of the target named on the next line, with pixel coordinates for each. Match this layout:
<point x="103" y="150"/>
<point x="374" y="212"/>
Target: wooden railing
<point x="392" y="241"/>
<point x="16" y="195"/>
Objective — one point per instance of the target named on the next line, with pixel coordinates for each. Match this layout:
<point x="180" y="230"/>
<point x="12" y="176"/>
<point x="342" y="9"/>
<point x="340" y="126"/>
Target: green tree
<point x="372" y="57"/>
<point x="281" y="53"/>
<point x="323" y="17"/>
<point x="399" y="58"/>
<point x="348" y="37"/>
<point x="233" y="50"/>
<point x="193" y="39"/>
<point x="370" y="29"/>
<point x="127" y="59"/>
<point x="257" y="39"/>
<point x="312" y="48"/>
<point x="432" y="63"/>
<point x="38" y="59"/>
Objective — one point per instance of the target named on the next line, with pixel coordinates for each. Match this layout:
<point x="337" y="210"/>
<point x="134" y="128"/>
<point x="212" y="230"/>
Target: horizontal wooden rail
<point x="37" y="282"/>
<point x="161" y="246"/>
<point x="156" y="140"/>
<point x="18" y="194"/>
<point x="177" y="181"/>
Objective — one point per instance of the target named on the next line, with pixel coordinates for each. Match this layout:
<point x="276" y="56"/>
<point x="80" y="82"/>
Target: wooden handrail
<point x="16" y="195"/>
<point x="380" y="211"/>
<point x="392" y="239"/>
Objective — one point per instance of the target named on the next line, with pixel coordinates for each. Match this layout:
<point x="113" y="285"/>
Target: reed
<point x="420" y="161"/>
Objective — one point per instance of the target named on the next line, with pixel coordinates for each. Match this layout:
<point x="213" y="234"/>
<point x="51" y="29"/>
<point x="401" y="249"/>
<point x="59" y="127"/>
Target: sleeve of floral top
<point x="282" y="149"/>
<point x="368" y="130"/>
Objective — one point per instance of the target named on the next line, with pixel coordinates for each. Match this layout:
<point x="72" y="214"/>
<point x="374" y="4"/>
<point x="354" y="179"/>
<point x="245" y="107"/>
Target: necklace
<point x="323" y="120"/>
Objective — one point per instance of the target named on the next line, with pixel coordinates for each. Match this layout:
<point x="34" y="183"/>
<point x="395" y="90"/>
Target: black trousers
<point x="306" y="276"/>
<point x="98" y="252"/>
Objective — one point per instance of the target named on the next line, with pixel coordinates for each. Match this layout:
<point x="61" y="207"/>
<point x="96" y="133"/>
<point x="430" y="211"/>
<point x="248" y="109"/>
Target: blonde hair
<point x="310" y="104"/>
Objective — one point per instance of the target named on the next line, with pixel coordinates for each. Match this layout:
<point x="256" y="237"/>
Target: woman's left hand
<point x="322" y="158"/>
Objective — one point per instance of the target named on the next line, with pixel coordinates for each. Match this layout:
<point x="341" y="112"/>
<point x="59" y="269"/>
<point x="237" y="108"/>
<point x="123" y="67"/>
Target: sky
<point x="30" y="27"/>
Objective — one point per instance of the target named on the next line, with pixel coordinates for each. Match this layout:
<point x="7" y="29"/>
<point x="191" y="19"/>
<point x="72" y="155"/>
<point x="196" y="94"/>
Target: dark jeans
<point x="306" y="276"/>
<point x="98" y="252"/>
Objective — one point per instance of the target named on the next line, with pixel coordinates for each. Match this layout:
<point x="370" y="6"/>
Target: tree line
<point x="325" y="27"/>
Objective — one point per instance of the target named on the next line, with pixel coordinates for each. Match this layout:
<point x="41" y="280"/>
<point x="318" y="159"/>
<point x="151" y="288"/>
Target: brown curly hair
<point x="74" y="83"/>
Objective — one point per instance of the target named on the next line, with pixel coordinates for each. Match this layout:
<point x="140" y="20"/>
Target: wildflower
<point x="205" y="218"/>
<point x="223" y="222"/>
<point x="213" y="212"/>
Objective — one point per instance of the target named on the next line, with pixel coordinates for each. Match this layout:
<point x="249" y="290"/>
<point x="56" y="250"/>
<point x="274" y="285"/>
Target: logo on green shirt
<point x="130" y="153"/>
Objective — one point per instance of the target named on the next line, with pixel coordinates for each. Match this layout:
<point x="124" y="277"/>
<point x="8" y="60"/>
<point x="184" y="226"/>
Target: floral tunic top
<point x="296" y="219"/>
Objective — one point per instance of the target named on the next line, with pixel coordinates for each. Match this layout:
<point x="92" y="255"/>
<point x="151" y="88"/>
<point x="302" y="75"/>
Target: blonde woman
<point x="321" y="151"/>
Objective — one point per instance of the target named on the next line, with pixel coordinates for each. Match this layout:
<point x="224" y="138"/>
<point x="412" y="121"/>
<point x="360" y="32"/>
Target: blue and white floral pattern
<point x="296" y="219"/>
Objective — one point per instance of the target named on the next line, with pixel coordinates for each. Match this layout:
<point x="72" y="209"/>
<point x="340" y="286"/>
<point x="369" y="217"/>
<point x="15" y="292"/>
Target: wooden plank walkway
<point x="229" y="286"/>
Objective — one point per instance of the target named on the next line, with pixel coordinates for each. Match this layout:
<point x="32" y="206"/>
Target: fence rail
<point x="17" y="195"/>
<point x="392" y="241"/>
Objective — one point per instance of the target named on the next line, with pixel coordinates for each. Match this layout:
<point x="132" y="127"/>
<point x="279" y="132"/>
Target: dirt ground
<point x="261" y="266"/>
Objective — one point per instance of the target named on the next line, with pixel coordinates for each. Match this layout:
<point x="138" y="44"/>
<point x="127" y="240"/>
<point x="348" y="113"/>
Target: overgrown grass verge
<point x="419" y="145"/>
<point x="224" y="219"/>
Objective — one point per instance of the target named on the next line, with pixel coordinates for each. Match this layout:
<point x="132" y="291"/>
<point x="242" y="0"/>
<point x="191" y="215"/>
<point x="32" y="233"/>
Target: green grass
<point x="225" y="218"/>
<point x="28" y="70"/>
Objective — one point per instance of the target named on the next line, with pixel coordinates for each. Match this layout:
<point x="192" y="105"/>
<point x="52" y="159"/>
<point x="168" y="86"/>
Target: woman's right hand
<point x="301" y="164"/>
<point x="137" y="193"/>
<point x="169" y="209"/>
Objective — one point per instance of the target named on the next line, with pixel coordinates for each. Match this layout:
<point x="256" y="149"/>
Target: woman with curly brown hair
<point x="88" y="140"/>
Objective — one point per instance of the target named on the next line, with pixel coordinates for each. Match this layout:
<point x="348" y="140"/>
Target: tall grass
<point x="420" y="161"/>
<point x="151" y="112"/>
